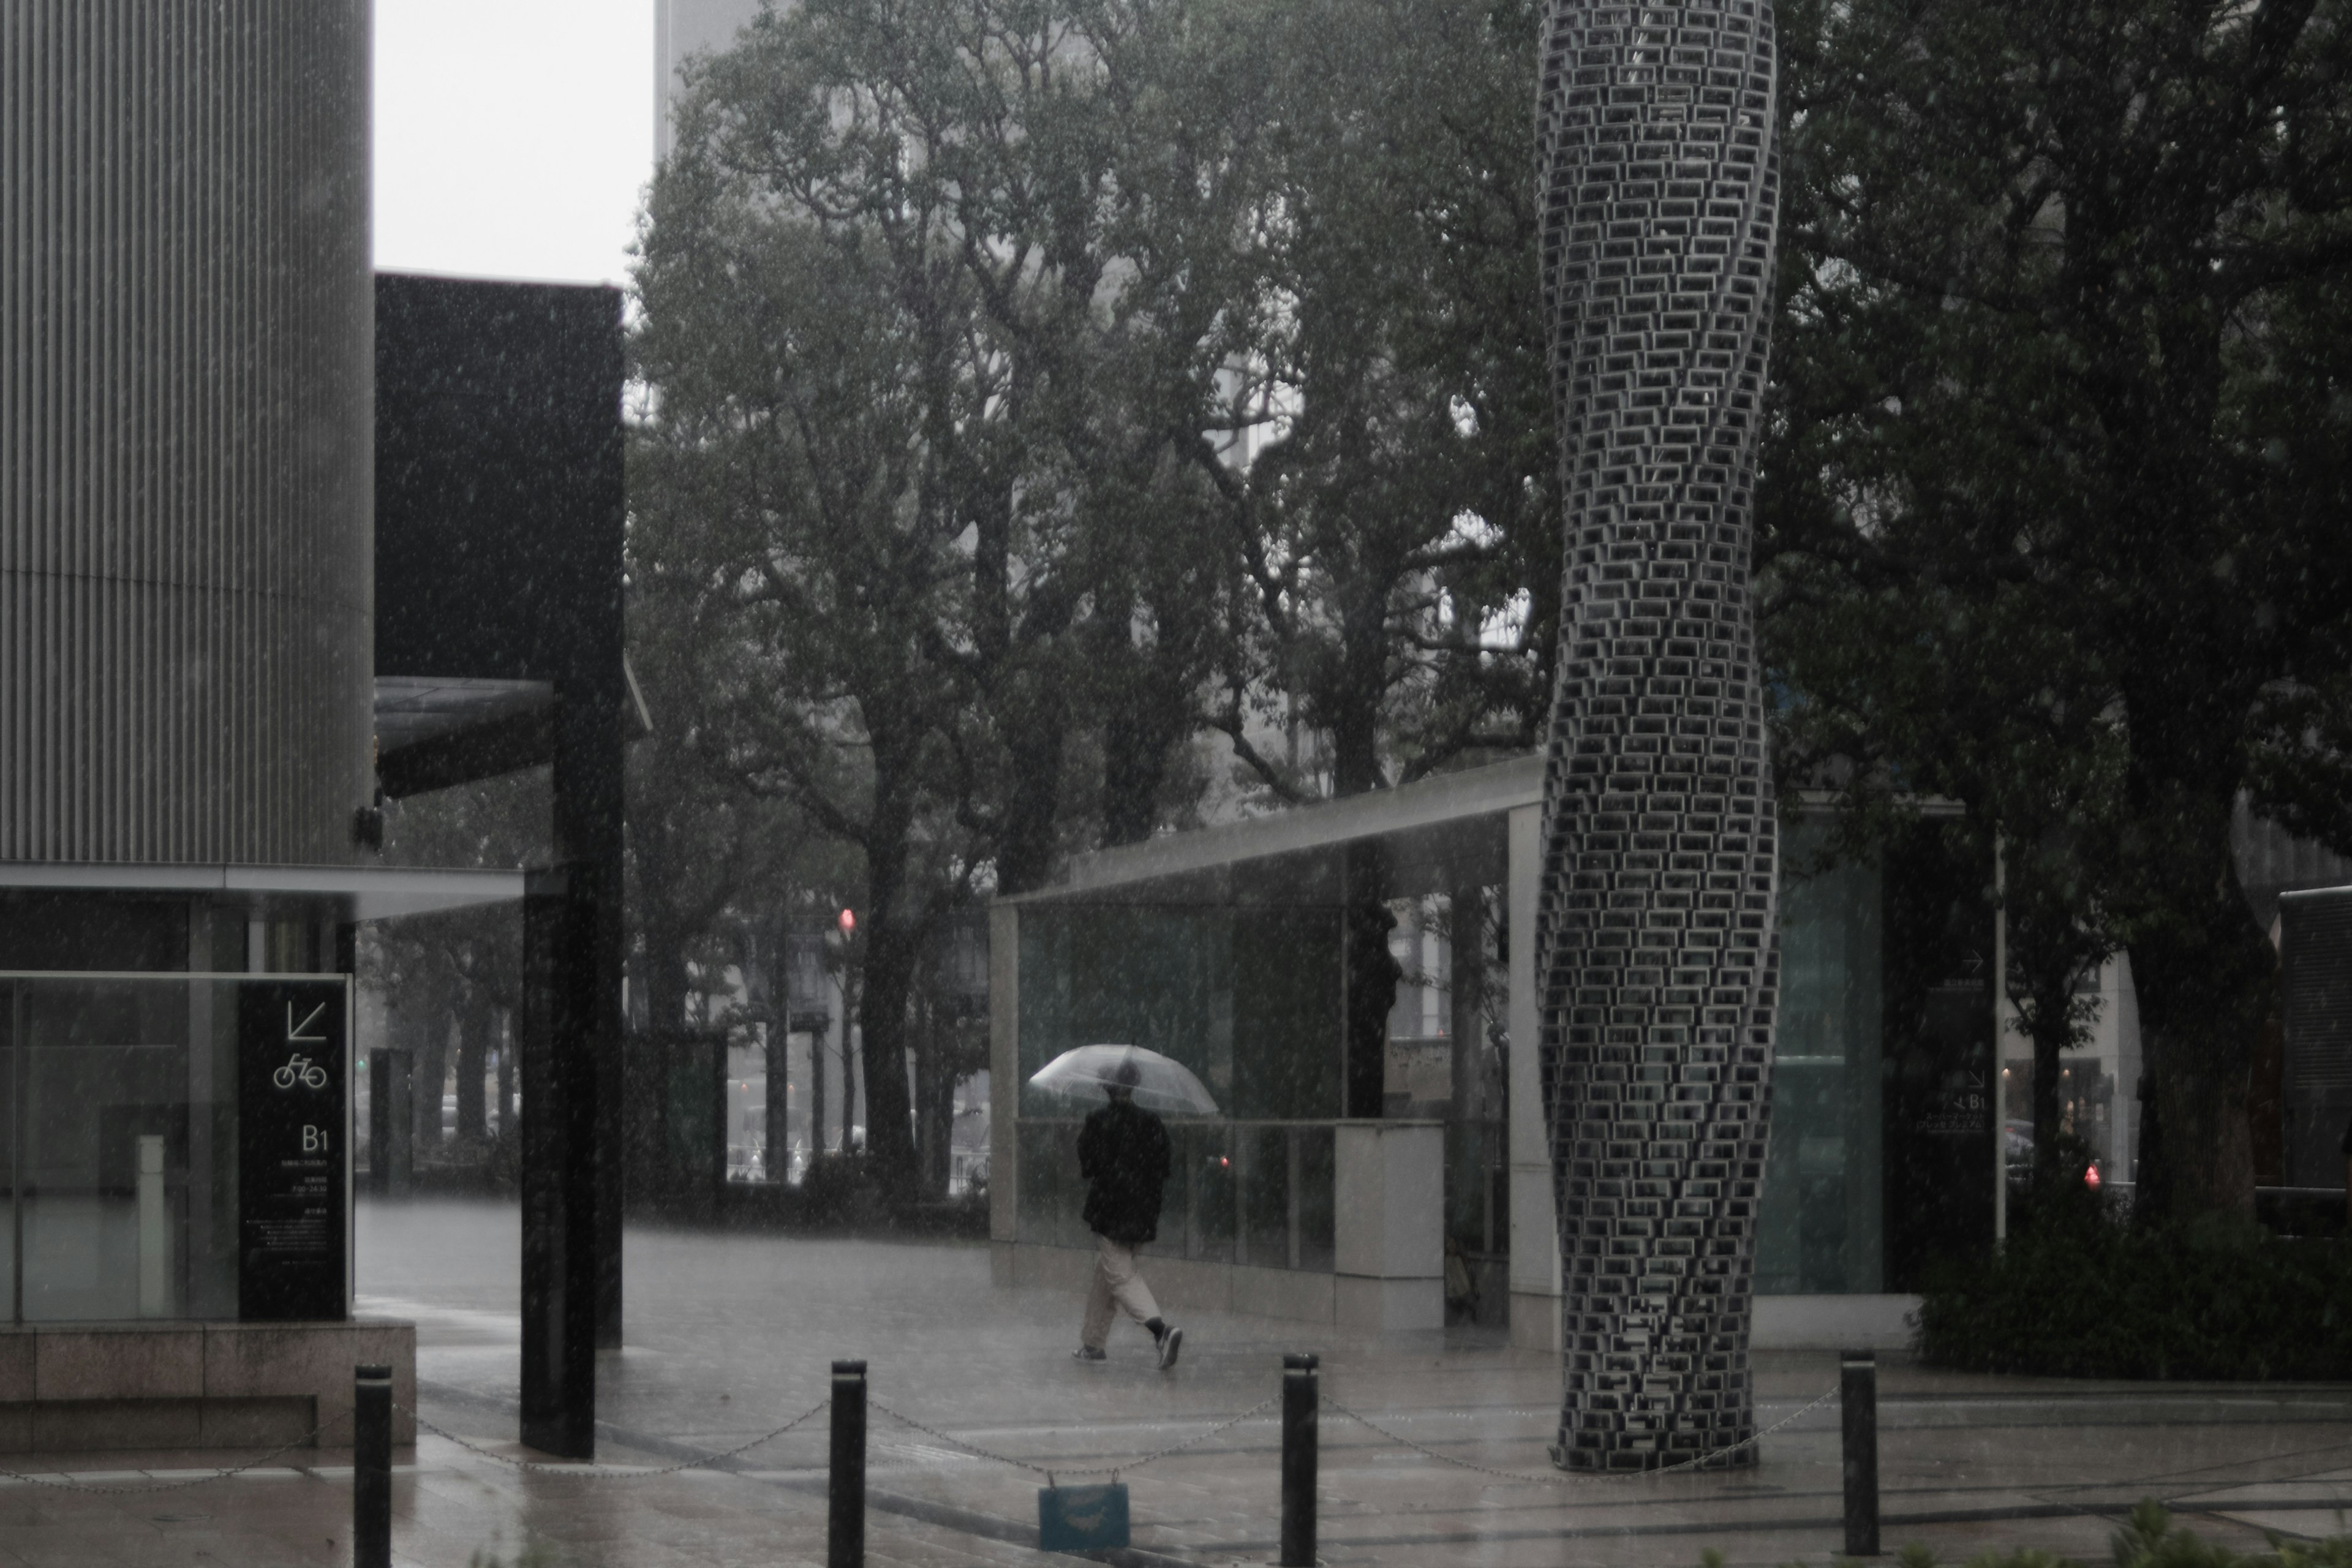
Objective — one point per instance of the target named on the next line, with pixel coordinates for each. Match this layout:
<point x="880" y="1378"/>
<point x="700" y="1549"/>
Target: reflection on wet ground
<point x="730" y="1335"/>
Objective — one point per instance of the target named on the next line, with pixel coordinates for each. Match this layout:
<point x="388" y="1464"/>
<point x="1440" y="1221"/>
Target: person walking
<point x="1123" y="1155"/>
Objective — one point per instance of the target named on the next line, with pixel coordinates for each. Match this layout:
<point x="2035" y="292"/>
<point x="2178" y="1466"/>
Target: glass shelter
<point x="1240" y="952"/>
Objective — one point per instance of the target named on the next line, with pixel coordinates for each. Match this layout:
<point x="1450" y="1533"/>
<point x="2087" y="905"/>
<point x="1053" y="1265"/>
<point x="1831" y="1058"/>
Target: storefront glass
<point x="1821" y="1229"/>
<point x="120" y="1145"/>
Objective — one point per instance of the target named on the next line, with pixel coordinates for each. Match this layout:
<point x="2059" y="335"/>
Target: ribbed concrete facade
<point x="185" y="430"/>
<point x="1655" y="926"/>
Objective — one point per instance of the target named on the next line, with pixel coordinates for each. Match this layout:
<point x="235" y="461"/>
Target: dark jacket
<point x="1123" y="1155"/>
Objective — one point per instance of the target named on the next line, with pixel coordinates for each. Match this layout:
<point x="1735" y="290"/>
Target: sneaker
<point x="1170" y="1343"/>
<point x="1089" y="1354"/>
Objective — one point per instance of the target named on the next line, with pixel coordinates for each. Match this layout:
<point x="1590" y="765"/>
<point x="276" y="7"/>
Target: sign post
<point x="293" y="1154"/>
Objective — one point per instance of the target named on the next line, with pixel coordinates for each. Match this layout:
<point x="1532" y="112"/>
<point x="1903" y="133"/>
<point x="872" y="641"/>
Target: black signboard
<point x="293" y="1115"/>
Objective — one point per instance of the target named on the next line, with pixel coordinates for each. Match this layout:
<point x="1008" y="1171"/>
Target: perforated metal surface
<point x="1655" y="946"/>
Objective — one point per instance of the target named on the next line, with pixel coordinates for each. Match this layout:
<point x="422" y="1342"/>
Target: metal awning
<point x="435" y="731"/>
<point x="1451" y="819"/>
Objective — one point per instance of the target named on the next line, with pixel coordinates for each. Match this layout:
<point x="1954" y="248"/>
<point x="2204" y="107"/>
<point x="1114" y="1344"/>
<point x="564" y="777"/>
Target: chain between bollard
<point x="1568" y="1477"/>
<point x="1050" y="1472"/>
<point x="616" y="1473"/>
<point x="60" y="1483"/>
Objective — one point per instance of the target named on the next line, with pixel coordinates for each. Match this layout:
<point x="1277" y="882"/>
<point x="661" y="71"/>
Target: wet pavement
<point x="729" y="1336"/>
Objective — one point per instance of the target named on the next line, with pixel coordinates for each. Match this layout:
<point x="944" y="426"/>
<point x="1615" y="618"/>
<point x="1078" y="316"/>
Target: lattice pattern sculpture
<point x="1656" y="941"/>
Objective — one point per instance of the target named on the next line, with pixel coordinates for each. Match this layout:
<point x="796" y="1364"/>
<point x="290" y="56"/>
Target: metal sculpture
<point x="1655" y="942"/>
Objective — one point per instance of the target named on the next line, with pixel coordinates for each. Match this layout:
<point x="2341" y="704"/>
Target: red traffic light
<point x="848" y="922"/>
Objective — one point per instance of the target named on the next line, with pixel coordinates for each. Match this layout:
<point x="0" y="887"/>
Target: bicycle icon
<point x="299" y="1068"/>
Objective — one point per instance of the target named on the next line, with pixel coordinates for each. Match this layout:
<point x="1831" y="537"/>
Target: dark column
<point x="1858" y="1405"/>
<point x="718" y="1128"/>
<point x="500" y="510"/>
<point x="1371" y="976"/>
<point x="559" y="1166"/>
<point x="391" y="1075"/>
<point x="588" y="813"/>
<point x="379" y="1176"/>
<point x="780" y="1098"/>
<point x="1302" y="1404"/>
<point x="372" y="1466"/>
<point x="846" y="1483"/>
<point x="1466" y="1125"/>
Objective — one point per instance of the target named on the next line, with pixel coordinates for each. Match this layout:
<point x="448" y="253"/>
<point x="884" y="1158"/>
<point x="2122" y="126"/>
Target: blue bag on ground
<point x="1080" y="1518"/>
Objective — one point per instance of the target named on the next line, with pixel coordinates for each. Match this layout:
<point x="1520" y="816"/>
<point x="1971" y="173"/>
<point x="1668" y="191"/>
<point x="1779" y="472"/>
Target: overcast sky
<point x="513" y="137"/>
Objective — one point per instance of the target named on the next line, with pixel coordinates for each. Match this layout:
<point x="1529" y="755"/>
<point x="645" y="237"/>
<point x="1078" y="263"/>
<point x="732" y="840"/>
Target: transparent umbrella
<point x="1161" y="1084"/>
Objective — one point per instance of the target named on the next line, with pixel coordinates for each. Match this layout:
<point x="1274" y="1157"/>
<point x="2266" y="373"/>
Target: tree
<point x="962" y="321"/>
<point x="704" y="852"/>
<point x="2049" y="274"/>
<point x="785" y="482"/>
<point x="1391" y="488"/>
<point x="903" y="443"/>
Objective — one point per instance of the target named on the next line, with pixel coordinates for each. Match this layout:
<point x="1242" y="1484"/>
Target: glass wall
<point x="1880" y="1162"/>
<point x="1880" y="1159"/>
<point x="1820" y="1227"/>
<point x="1246" y="996"/>
<point x="119" y="1143"/>
<point x="1253" y="1193"/>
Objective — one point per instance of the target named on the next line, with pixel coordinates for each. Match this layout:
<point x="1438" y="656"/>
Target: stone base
<point x="69" y="1387"/>
<point x="1535" y="1319"/>
<point x="1391" y="1306"/>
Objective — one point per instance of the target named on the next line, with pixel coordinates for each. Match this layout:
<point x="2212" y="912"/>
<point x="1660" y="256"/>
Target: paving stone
<point x="758" y="1320"/>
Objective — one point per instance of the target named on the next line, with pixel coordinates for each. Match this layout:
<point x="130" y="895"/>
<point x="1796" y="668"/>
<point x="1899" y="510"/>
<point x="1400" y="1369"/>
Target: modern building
<point x="192" y="727"/>
<point x="186" y="444"/>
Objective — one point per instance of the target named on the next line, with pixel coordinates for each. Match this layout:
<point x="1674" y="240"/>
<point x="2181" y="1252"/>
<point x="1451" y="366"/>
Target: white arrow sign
<point x="294" y="1031"/>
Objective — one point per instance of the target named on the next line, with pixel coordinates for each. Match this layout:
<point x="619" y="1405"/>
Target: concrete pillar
<point x="1389" y="1225"/>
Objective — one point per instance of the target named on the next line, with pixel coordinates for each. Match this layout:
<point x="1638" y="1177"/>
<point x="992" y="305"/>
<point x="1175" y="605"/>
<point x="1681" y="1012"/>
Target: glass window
<point x="1821" y="1227"/>
<point x="119" y="1166"/>
<point x="1247" y="995"/>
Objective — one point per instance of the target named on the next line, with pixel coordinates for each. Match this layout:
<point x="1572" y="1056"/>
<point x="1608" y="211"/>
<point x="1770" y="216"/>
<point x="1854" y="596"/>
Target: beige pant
<point x="1116" y="1282"/>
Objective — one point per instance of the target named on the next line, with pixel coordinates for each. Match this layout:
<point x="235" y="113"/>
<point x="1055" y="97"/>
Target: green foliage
<point x="1402" y="505"/>
<point x="1032" y="384"/>
<point x="2073" y="1299"/>
<point x="2052" y="514"/>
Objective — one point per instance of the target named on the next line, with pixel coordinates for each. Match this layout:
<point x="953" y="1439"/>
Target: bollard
<point x="1302" y="1402"/>
<point x="1858" y="1401"/>
<point x="372" y="1466"/>
<point x="844" y="1525"/>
